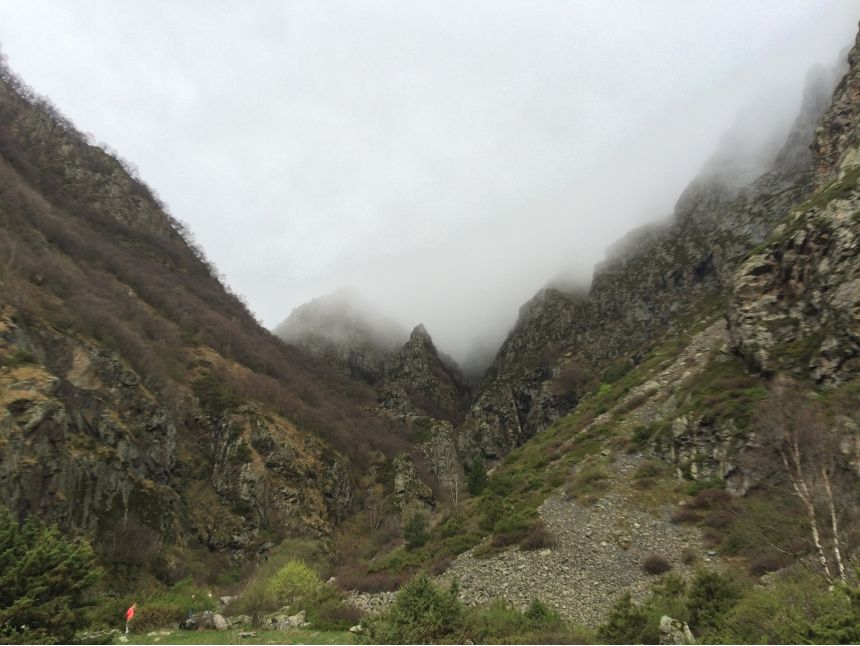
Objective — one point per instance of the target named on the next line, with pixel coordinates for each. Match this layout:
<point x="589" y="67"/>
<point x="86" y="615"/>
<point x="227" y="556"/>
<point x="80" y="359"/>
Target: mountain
<point x="695" y="407"/>
<point x="653" y="281"/>
<point x="141" y="403"/>
<point x="693" y="410"/>
<point x="346" y="332"/>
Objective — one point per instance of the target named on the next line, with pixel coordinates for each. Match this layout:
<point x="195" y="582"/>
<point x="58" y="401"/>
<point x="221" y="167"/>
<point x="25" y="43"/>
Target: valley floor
<point x="298" y="636"/>
<point x="600" y="554"/>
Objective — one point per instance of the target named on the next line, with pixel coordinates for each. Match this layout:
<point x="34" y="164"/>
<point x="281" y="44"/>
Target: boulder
<point x="283" y="621"/>
<point x="239" y="620"/>
<point x="199" y="621"/>
<point x="673" y="631"/>
<point x="219" y="622"/>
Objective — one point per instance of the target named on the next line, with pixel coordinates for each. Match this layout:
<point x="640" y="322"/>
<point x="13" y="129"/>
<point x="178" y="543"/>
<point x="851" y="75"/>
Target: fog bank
<point x="445" y="159"/>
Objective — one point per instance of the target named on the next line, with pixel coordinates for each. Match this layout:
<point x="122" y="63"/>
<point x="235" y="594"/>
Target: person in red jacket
<point x="129" y="615"/>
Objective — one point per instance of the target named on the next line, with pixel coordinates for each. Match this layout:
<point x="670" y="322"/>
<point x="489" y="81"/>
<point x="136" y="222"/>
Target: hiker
<point x="129" y="615"/>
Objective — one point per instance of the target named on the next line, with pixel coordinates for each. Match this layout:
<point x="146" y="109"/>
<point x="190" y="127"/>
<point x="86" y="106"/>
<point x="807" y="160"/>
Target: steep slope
<point x="140" y="400"/>
<point x="654" y="281"/>
<point x="652" y="418"/>
<point x="414" y="383"/>
<point x="346" y="333"/>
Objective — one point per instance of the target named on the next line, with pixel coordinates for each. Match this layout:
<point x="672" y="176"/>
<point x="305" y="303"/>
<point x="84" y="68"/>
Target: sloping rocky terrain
<point x="142" y="404"/>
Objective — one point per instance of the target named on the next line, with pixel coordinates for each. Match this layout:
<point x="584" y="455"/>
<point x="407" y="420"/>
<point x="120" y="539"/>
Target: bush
<point x="711" y="596"/>
<point x="711" y="499"/>
<point x="626" y="624"/>
<point x="656" y="564"/>
<point x="538" y="537"/>
<point x="256" y="601"/>
<point x="421" y="613"/>
<point x="496" y="620"/>
<point x="326" y="610"/>
<point x="794" y="610"/>
<point x="476" y="479"/>
<point x="294" y="582"/>
<point x="45" y="578"/>
<point x="684" y="515"/>
<point x="152" y="616"/>
<point x="415" y="532"/>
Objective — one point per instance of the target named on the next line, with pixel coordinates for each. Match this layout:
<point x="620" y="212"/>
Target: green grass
<point x="297" y="636"/>
<point x="723" y="390"/>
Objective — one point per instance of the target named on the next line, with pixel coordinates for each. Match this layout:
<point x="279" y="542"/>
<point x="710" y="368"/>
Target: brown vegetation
<point x="90" y="249"/>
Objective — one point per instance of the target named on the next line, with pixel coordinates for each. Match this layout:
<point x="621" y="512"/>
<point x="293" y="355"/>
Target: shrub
<point x="476" y="479"/>
<point x="626" y="623"/>
<point x="152" y="616"/>
<point x="711" y="596"/>
<point x="769" y="561"/>
<point x="45" y="578"/>
<point x="684" y="515"/>
<point x="710" y="499"/>
<point x="656" y="564"/>
<point x="326" y="610"/>
<point x="649" y="469"/>
<point x="588" y="484"/>
<point x="541" y="616"/>
<point x="794" y="610"/>
<point x="538" y="537"/>
<point x="294" y="582"/>
<point x="415" y="533"/>
<point x="495" y="620"/>
<point x="421" y="613"/>
<point x="256" y="601"/>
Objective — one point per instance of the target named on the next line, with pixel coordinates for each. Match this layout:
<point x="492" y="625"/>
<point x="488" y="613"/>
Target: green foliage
<point x="724" y="390"/>
<point x="793" y="610"/>
<point x="499" y="622"/>
<point x="298" y="587"/>
<point x="476" y="479"/>
<point x="422" y="613"/>
<point x="588" y="483"/>
<point x="837" y="189"/>
<point x="415" y="532"/>
<point x="293" y="582"/>
<point x="617" y="370"/>
<point x="695" y="486"/>
<point x="711" y="596"/>
<point x="626" y="624"/>
<point x="156" y="609"/>
<point x="45" y="579"/>
<point x="258" y="597"/>
<point x="213" y="394"/>
<point x="646" y="433"/>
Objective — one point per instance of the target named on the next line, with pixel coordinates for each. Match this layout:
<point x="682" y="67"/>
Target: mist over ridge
<point x="447" y="162"/>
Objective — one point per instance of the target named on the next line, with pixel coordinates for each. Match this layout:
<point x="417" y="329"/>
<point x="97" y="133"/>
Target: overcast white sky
<point x="446" y="158"/>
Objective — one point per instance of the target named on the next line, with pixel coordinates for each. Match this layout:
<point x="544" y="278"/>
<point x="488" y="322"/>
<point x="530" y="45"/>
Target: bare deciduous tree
<point x="794" y="424"/>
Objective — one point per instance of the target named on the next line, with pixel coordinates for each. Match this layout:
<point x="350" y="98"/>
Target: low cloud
<point x="446" y="159"/>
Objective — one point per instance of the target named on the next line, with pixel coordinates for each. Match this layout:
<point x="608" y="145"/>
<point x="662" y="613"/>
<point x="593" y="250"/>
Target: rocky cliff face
<point x="796" y="300"/>
<point x="413" y="382"/>
<point x="652" y="285"/>
<point x="140" y="402"/>
<point x="345" y="332"/>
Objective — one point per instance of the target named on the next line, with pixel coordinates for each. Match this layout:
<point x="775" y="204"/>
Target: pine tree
<point x="44" y="581"/>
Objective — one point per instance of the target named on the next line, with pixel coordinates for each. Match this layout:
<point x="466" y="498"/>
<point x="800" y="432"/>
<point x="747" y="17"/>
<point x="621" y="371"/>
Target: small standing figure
<point x="129" y="615"/>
